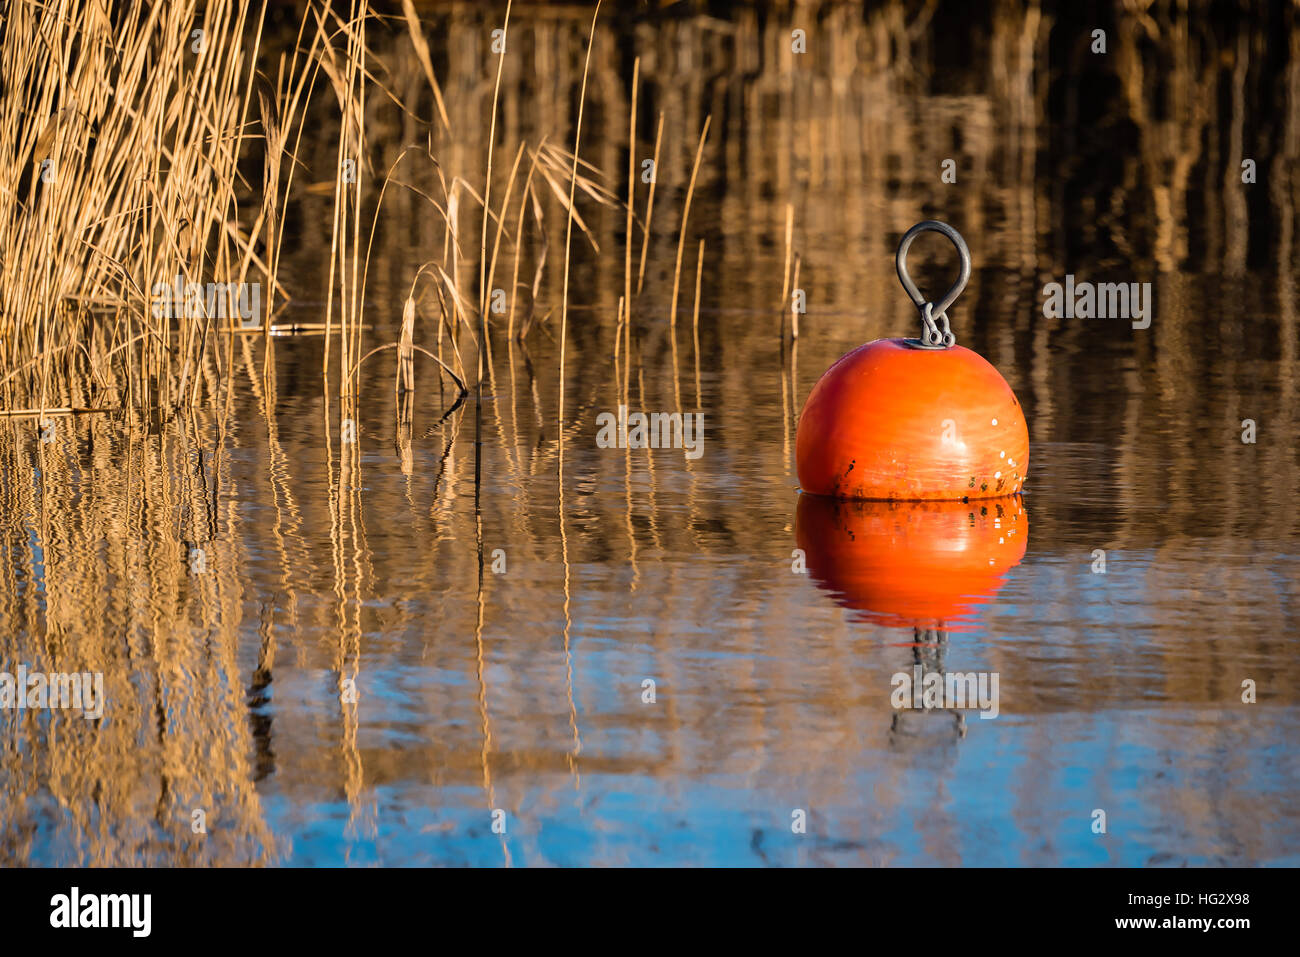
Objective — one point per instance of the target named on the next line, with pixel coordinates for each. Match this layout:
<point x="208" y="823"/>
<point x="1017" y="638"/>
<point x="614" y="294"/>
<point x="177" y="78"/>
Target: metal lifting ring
<point x="935" y="331"/>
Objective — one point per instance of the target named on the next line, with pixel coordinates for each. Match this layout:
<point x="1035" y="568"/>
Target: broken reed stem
<point x="627" y="350"/>
<point x="568" y="241"/>
<point x="686" y="212"/>
<point x="650" y="202"/>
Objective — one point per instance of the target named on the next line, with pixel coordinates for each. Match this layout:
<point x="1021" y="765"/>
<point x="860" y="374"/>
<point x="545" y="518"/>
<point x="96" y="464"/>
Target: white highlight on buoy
<point x="995" y="421"/>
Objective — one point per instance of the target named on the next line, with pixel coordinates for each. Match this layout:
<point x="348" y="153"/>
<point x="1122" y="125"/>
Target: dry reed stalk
<point x="794" y="382"/>
<point x="650" y="203"/>
<point x="405" y="382"/>
<point x="618" y="350"/>
<point x="501" y="220"/>
<point x="357" y="64"/>
<point x="482" y="266"/>
<point x="686" y="212"/>
<point x="785" y="413"/>
<point x="618" y="340"/>
<point x="794" y="309"/>
<point x="695" y="319"/>
<point x="338" y="225"/>
<point x="487" y="194"/>
<point x="496" y="249"/>
<point x="568" y="240"/>
<point x="345" y="260"/>
<point x="519" y="248"/>
<point x="785" y="273"/>
<point x="564" y="317"/>
<point x="426" y="63"/>
<point x="631" y="190"/>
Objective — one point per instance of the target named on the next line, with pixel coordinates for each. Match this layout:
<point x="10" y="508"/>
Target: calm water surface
<point x="512" y="680"/>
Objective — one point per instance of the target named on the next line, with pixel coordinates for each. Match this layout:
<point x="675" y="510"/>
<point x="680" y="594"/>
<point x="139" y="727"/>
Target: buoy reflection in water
<point x="912" y="564"/>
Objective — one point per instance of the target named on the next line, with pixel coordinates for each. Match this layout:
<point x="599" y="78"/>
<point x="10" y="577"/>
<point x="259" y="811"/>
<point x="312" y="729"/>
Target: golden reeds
<point x="113" y="189"/>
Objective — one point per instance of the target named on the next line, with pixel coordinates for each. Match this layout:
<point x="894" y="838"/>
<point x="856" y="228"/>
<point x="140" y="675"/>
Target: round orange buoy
<point x="914" y="419"/>
<point x="912" y="564"/>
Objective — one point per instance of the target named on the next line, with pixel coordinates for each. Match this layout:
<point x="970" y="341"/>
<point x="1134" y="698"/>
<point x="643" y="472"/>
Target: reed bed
<point x="121" y="173"/>
<point x="150" y="149"/>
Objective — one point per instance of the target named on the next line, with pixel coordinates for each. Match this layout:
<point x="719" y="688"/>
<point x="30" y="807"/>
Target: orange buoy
<point x="914" y="419"/>
<point x="912" y="564"/>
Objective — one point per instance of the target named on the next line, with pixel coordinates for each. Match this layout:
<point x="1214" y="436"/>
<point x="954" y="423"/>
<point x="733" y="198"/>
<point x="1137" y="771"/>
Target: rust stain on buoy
<point x="914" y="419"/>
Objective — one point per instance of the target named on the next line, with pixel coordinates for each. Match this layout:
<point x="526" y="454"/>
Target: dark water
<point x="513" y="680"/>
